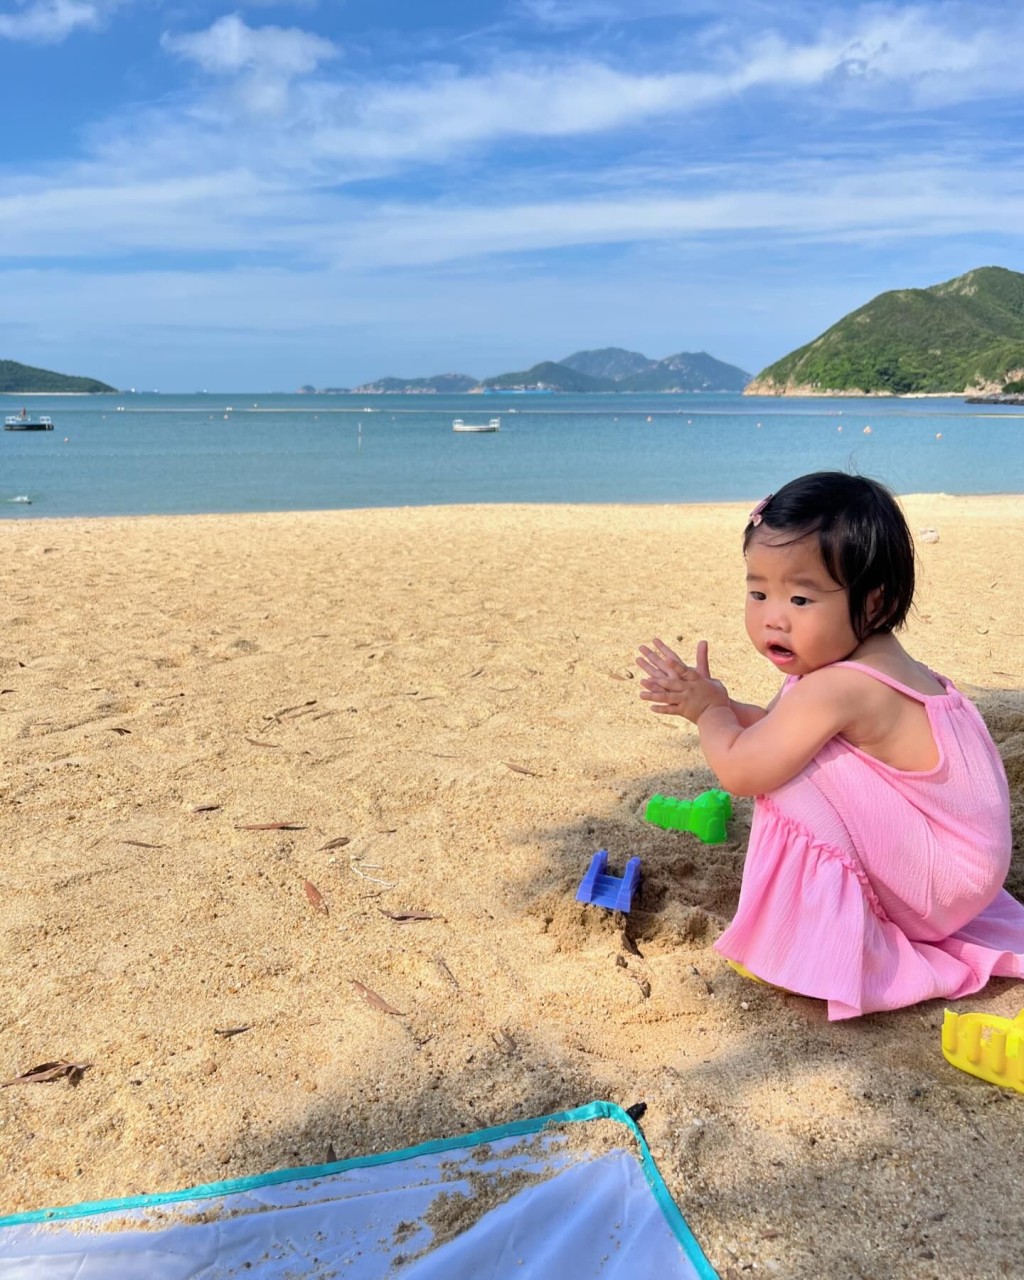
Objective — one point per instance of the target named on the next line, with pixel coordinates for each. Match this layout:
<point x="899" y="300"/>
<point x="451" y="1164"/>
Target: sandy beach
<point x="237" y="750"/>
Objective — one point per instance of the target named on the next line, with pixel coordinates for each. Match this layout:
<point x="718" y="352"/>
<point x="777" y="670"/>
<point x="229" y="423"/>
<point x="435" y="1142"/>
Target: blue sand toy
<point x="705" y="816"/>
<point x="609" y="891"/>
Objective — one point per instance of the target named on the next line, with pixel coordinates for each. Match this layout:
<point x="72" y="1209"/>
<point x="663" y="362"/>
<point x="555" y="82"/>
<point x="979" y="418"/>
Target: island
<point x="24" y="380"/>
<point x="603" y="369"/>
<point x="964" y="336"/>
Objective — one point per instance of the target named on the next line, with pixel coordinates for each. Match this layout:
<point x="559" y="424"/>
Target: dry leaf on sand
<point x="315" y="897"/>
<point x="48" y="1071"/>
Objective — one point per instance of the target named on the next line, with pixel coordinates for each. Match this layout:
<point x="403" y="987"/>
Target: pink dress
<point x="874" y="888"/>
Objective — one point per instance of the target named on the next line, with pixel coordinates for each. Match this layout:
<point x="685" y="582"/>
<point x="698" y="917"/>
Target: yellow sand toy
<point x="986" y="1046"/>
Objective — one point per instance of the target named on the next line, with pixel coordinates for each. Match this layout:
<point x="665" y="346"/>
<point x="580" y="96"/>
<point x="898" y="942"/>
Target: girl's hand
<point x="676" y="689"/>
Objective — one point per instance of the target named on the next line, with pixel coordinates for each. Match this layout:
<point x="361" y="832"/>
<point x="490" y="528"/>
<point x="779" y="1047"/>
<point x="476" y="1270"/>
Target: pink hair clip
<point x="757" y="515"/>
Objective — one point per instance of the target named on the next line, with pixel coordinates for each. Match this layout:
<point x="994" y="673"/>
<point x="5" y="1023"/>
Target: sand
<point x="441" y="705"/>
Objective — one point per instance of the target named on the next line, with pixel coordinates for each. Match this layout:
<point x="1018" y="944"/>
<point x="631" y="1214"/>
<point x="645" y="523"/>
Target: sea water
<point x="167" y="454"/>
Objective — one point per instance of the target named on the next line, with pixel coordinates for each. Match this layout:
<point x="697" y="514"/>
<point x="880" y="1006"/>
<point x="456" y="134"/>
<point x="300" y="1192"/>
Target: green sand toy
<point x="705" y="816"/>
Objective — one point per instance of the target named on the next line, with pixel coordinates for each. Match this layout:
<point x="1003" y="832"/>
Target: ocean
<point x="184" y="454"/>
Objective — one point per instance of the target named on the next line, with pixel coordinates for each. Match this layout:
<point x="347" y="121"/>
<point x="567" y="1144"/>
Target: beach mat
<point x="558" y="1195"/>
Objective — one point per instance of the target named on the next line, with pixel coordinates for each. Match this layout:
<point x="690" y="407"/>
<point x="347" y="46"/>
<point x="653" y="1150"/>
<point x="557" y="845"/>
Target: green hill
<point x="21" y="379"/>
<point x="440" y="384"/>
<point x="549" y="376"/>
<point x="688" y="371"/>
<point x="631" y="371"/>
<point x="615" y="363"/>
<point x="964" y="335"/>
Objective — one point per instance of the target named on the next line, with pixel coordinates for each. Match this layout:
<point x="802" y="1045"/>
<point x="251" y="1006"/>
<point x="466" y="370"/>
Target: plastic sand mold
<point x="987" y="1046"/>
<point x="556" y="1195"/>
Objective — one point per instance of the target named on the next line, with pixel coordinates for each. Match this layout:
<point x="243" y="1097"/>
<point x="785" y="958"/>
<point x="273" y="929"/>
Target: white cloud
<point x="882" y="56"/>
<point x="230" y="46"/>
<point x="260" y="64"/>
<point x="241" y="210"/>
<point x="874" y="60"/>
<point x="211" y="212"/>
<point x="49" y="21"/>
<point x="889" y="203"/>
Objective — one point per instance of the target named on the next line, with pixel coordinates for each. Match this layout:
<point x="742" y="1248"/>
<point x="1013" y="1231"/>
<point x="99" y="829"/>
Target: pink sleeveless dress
<point x="874" y="888"/>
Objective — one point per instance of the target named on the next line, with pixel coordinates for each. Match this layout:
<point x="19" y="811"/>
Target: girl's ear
<point x="872" y="605"/>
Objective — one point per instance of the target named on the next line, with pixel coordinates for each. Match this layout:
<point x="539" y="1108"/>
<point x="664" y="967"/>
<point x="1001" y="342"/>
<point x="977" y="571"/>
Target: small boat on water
<point x="493" y="425"/>
<point x="22" y="422"/>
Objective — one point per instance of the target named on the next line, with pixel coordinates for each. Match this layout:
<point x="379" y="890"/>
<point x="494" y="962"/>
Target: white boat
<point x="493" y="425"/>
<point x="22" y="422"/>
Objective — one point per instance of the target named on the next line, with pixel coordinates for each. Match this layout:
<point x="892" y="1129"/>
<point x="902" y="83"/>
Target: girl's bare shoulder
<point x="887" y="656"/>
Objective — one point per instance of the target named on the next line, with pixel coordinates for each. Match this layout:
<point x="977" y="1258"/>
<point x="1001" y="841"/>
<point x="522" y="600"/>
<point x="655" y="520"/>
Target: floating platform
<point x="19" y="422"/>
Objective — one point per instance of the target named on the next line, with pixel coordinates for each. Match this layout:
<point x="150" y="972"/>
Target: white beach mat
<point x="553" y="1196"/>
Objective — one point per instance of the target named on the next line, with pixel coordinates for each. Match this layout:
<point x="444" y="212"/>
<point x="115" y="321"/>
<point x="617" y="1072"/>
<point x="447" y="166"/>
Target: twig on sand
<point x="518" y="768"/>
<point x="299" y="706"/>
<point x="504" y="1043"/>
<point x="271" y="826"/>
<point x="445" y="972"/>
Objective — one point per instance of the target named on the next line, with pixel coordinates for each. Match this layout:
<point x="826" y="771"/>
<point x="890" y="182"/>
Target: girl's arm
<point x="752" y="760"/>
<point x="747" y="713"/>
<point x="751" y="755"/>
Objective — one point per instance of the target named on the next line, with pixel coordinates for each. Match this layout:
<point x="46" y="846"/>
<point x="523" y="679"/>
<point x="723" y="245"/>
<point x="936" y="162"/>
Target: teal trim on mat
<point x="514" y="1129"/>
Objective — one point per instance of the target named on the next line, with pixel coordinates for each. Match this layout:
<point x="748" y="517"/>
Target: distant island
<point x="965" y="336"/>
<point x="23" y="380"/>
<point x="607" y="369"/>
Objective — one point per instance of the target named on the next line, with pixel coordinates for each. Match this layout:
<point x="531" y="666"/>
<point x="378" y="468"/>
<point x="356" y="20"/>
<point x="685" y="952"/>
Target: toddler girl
<point x="881" y="831"/>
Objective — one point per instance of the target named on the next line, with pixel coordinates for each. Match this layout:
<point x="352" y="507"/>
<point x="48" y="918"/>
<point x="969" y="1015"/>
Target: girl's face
<point x="796" y="615"/>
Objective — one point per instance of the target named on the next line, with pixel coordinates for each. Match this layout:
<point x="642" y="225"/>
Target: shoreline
<point x="16" y="518"/>
<point x="437" y="708"/>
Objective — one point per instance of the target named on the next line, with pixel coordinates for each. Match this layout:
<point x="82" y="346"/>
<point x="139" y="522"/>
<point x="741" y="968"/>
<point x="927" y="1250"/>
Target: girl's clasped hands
<point x="676" y="689"/>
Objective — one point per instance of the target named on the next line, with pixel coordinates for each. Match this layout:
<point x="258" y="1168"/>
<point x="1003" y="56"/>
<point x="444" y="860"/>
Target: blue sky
<point x="267" y="194"/>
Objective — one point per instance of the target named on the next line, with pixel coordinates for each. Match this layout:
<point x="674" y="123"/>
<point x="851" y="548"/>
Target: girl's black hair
<point x="863" y="538"/>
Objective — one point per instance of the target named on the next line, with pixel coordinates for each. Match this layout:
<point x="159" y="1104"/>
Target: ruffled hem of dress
<point x="810" y="922"/>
